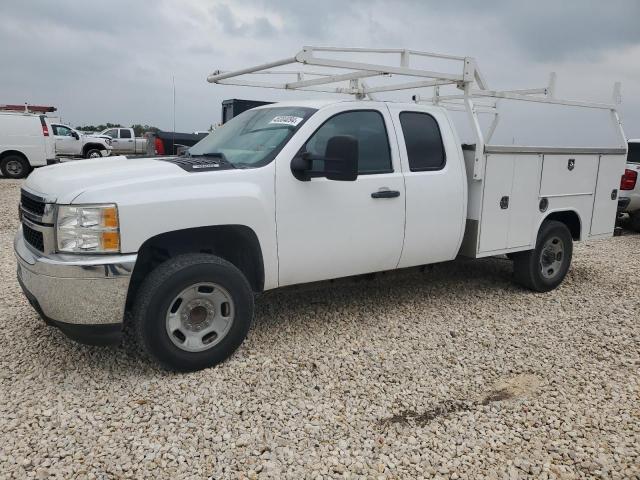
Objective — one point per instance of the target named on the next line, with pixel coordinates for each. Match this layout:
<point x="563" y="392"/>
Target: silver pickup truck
<point x="124" y="141"/>
<point x="629" y="201"/>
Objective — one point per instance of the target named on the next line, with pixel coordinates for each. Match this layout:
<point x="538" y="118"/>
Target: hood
<point x="65" y="181"/>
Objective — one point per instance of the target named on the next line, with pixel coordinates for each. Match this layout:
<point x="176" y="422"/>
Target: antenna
<point x="173" y="78"/>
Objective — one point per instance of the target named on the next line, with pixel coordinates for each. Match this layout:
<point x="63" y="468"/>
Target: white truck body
<point x="124" y="141"/>
<point x="297" y="192"/>
<point x="26" y="142"/>
<point x="72" y="143"/>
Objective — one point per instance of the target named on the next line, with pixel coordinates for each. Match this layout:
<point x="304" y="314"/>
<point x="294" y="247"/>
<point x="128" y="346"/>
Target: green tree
<point x="141" y="129"/>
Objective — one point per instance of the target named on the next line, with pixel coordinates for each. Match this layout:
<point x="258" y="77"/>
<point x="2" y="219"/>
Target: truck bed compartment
<point x="569" y="175"/>
<point x="521" y="187"/>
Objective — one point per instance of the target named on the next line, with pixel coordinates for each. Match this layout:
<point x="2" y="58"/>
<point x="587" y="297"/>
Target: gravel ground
<point x="450" y="373"/>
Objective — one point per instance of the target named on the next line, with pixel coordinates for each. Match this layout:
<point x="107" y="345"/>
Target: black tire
<point x="156" y="296"/>
<point x="14" y="166"/>
<point x="634" y="221"/>
<point x="528" y="266"/>
<point x="92" y="151"/>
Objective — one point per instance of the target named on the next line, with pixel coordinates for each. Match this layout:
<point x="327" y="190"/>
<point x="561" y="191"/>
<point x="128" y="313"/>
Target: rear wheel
<point x="545" y="267"/>
<point x="14" y="166"/>
<point x="193" y="311"/>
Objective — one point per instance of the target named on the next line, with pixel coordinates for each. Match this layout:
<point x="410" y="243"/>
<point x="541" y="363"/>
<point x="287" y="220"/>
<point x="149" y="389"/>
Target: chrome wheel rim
<point x="94" y="154"/>
<point x="199" y="317"/>
<point x="14" y="167"/>
<point x="551" y="257"/>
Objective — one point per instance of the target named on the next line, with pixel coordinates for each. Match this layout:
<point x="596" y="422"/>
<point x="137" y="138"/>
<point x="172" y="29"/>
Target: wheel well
<point x="6" y="153"/>
<point x="237" y="244"/>
<point x="99" y="146"/>
<point x="570" y="219"/>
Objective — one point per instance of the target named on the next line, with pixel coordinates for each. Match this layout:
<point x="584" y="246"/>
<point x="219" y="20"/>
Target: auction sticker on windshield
<point x="287" y="120"/>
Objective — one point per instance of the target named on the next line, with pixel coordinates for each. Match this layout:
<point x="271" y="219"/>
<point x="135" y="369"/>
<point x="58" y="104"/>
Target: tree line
<point x="138" y="128"/>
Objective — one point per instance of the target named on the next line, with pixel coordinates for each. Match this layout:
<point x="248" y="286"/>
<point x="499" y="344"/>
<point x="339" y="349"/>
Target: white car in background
<point x="25" y="142"/>
<point x="629" y="201"/>
<point x="71" y="143"/>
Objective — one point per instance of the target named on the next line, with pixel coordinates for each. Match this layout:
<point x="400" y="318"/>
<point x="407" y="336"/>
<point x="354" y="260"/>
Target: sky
<point x="115" y="61"/>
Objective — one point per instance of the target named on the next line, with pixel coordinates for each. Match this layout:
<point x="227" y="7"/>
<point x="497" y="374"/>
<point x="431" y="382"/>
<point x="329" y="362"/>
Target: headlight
<point x="88" y="228"/>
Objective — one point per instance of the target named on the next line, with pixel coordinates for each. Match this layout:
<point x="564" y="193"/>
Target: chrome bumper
<point x="76" y="290"/>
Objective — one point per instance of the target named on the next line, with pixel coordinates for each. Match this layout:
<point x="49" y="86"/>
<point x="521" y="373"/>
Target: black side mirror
<point x="75" y="135"/>
<point x="341" y="158"/>
<point x="301" y="165"/>
<point x="340" y="161"/>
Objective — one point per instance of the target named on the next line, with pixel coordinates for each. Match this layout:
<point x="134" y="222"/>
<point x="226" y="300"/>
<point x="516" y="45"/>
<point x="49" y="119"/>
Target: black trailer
<point x="171" y="143"/>
<point x="234" y="107"/>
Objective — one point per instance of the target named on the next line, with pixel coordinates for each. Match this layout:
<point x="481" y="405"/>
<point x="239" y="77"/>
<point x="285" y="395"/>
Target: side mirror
<point x="75" y="135"/>
<point x="341" y="158"/>
<point x="340" y="161"/>
<point x="300" y="167"/>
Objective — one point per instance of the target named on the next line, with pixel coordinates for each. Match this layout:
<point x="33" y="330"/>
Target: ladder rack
<point x="475" y="97"/>
<point x="26" y="108"/>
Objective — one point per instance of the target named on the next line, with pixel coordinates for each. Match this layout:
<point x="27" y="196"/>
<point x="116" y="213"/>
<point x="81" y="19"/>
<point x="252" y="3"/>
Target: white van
<point x="26" y="142"/>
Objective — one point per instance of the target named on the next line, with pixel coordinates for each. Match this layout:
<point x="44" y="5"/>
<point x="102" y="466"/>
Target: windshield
<point x="255" y="137"/>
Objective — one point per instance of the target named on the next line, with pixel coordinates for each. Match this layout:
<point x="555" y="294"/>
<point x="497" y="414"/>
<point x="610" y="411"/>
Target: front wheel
<point x="545" y="267"/>
<point x="193" y="311"/>
<point x="92" y="153"/>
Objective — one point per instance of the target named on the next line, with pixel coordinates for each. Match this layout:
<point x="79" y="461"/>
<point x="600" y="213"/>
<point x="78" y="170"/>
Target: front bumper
<point x="83" y="295"/>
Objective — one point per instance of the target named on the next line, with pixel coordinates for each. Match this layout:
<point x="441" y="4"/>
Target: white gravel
<point x="451" y="373"/>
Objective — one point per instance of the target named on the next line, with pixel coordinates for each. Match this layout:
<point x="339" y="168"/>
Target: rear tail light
<point x="629" y="180"/>
<point x="45" y="129"/>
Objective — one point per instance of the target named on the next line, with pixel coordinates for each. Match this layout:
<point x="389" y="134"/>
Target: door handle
<point x="385" y="194"/>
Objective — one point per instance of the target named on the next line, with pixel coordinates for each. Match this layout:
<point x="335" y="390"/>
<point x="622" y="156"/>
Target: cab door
<point x="66" y="144"/>
<point x="435" y="184"/>
<point x="116" y="146"/>
<point x="330" y="229"/>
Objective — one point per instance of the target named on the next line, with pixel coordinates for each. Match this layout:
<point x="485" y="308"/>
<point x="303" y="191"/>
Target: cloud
<point x="259" y="27"/>
<point x="114" y="61"/>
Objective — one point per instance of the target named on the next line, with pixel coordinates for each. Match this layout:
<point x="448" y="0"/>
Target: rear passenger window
<point x="367" y="126"/>
<point x="423" y="140"/>
<point x="125" y="133"/>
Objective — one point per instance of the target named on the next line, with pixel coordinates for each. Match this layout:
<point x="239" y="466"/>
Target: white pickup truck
<point x="291" y="193"/>
<point x="124" y="141"/>
<point x="72" y="143"/>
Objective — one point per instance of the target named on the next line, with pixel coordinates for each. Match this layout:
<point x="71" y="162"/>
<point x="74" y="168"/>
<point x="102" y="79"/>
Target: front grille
<point x="32" y="205"/>
<point x="33" y="237"/>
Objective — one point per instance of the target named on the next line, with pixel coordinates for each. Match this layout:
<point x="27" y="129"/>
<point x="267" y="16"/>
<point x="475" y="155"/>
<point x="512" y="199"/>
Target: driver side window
<point x="62" y="131"/>
<point x="367" y="126"/>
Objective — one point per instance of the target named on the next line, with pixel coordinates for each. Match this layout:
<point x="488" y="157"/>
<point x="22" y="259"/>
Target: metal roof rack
<point x="475" y="98"/>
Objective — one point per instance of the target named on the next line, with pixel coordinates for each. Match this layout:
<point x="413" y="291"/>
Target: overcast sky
<point x="114" y="61"/>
